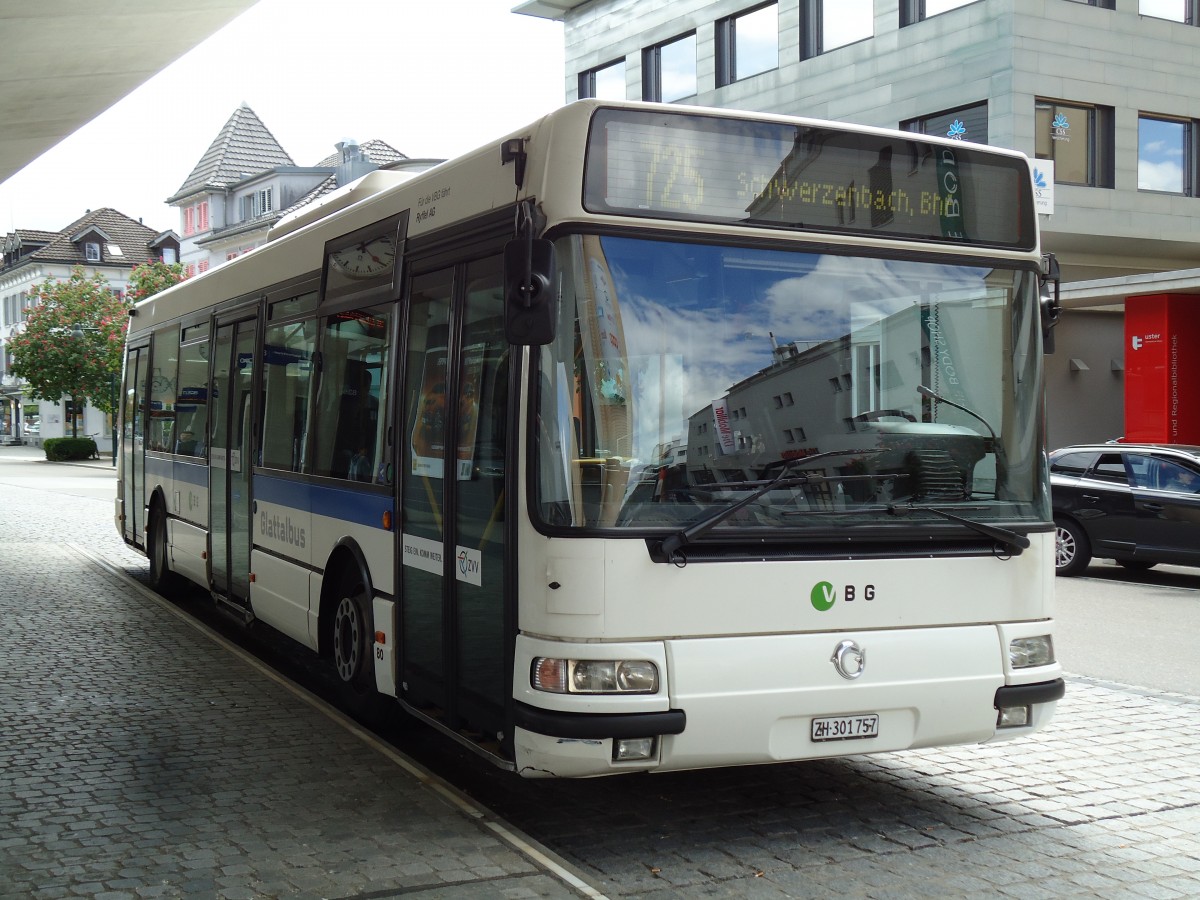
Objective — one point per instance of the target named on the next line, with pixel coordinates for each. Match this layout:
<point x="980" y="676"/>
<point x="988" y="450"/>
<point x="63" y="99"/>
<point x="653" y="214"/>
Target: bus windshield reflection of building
<point x="699" y="366"/>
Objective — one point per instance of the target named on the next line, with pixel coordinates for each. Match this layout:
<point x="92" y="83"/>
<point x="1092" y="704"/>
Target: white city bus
<point x="646" y="438"/>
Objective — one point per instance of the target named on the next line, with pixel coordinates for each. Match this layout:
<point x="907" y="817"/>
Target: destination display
<point x="667" y="165"/>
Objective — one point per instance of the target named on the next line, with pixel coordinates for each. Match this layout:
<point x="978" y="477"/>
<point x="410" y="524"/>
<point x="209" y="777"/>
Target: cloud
<point x="1160" y="176"/>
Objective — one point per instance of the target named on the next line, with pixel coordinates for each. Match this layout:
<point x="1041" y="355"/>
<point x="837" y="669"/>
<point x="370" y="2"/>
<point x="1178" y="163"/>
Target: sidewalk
<point x="143" y="756"/>
<point x="26" y="453"/>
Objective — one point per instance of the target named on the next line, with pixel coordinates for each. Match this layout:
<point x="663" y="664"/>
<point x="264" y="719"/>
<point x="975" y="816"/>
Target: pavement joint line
<point x="522" y="843"/>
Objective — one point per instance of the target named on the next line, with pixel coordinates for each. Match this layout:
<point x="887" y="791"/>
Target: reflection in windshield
<point x="684" y="375"/>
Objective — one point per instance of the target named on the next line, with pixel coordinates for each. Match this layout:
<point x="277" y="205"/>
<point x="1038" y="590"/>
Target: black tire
<point x="353" y="638"/>
<point x="162" y="579"/>
<point x="1136" y="565"/>
<point x="1072" y="549"/>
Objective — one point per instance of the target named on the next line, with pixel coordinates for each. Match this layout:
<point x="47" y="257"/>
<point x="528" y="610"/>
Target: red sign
<point x="1162" y="369"/>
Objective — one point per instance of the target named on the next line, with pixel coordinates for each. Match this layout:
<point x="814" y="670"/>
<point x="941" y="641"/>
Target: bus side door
<point x="455" y="625"/>
<point x="231" y="458"/>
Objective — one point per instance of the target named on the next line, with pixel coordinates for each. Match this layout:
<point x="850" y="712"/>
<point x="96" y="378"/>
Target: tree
<point x="72" y="342"/>
<point x="151" y="277"/>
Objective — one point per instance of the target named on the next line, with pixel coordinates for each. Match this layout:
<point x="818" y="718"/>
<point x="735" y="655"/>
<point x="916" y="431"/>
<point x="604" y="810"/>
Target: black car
<point x="1137" y="504"/>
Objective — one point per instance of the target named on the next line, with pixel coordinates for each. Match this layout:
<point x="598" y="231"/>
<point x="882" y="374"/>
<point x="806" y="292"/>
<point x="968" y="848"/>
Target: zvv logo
<point x="823" y="594"/>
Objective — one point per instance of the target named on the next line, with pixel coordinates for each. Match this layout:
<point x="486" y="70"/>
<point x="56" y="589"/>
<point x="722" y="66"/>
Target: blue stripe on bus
<point x="188" y="472"/>
<point x="349" y="504"/>
<point x="362" y="507"/>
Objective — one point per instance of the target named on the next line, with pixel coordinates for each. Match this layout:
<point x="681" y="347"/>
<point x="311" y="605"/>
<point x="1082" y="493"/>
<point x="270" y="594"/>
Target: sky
<point x="431" y="79"/>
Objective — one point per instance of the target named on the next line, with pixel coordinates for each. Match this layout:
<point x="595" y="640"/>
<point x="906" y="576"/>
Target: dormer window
<point x="257" y="203"/>
<point x="91" y="251"/>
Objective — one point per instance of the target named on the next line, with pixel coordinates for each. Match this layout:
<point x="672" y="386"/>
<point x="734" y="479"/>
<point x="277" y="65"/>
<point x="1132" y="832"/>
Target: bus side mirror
<point x="529" y="310"/>
<point x="1051" y="308"/>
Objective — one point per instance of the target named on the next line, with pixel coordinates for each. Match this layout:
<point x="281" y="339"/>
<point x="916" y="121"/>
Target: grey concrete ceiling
<point x="63" y="62"/>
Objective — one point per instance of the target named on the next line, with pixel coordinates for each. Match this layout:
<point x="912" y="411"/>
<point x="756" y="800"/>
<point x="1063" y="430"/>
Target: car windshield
<point x="837" y="389"/>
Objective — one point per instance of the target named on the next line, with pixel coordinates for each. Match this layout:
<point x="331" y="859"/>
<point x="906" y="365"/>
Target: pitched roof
<point x="379" y="152"/>
<point x="243" y="147"/>
<point x="131" y="237"/>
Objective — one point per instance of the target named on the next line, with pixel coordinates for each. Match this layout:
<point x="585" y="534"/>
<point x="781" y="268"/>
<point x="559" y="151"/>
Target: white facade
<point x="53" y="420"/>
<point x="102" y="242"/>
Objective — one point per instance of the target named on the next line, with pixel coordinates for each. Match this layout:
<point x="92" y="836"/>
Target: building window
<point x="1078" y="139"/>
<point x="669" y="70"/>
<point x="604" y="83"/>
<point x="1165" y="156"/>
<point x="913" y="11"/>
<point x="257" y="203"/>
<point x="747" y="44"/>
<point x="828" y="24"/>
<point x="91" y="252"/>
<point x="202" y="211"/>
<point x="169" y="255"/>
<point x="189" y="220"/>
<point x="1173" y="10"/>
<point x="967" y="123"/>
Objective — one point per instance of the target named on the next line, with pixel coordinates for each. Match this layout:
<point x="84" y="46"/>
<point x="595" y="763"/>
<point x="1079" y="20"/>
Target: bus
<point x="645" y="438"/>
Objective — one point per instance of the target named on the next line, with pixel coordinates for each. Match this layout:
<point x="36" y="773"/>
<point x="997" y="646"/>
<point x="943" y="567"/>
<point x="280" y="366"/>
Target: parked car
<point x="1137" y="504"/>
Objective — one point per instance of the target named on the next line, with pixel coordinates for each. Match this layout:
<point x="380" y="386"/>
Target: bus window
<point x="352" y="394"/>
<point x="162" y="390"/>
<point x="287" y="377"/>
<point x="191" y="402"/>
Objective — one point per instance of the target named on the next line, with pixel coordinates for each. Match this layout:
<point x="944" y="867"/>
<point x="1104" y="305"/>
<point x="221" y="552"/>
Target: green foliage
<point x="62" y="449"/>
<point x="73" y="340"/>
<point x="149" y="278"/>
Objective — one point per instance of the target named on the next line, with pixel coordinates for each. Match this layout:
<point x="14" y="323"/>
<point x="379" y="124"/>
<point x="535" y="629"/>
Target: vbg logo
<point x="823" y="594"/>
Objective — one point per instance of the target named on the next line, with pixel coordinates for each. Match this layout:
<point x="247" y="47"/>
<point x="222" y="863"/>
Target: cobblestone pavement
<point x="1104" y="803"/>
<point x="138" y="759"/>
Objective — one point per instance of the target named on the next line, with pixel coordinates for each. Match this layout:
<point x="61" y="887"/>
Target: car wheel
<point x="1136" y="565"/>
<point x="1072" y="550"/>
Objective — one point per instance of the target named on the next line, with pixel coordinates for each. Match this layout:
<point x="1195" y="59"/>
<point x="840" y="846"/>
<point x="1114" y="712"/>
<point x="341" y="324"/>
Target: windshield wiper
<point x="1010" y="539"/>
<point x="672" y="544"/>
<point x="932" y="395"/>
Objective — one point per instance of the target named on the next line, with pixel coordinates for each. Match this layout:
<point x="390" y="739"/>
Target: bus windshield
<point x="839" y="390"/>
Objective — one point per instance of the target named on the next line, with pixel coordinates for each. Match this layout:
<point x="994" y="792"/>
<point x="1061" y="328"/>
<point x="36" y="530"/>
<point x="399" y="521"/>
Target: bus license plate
<point x="845" y="728"/>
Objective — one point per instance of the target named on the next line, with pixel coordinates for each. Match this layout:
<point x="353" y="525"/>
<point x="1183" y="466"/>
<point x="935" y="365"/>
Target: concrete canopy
<point x="63" y="62"/>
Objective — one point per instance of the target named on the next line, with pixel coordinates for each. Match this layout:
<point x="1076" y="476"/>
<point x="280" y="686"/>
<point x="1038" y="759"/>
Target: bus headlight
<point x="594" y="676"/>
<point x="1023" y="653"/>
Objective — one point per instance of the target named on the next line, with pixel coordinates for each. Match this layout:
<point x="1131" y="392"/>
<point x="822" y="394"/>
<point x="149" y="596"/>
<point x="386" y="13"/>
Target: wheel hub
<point x="347" y="639"/>
<point x="1064" y="547"/>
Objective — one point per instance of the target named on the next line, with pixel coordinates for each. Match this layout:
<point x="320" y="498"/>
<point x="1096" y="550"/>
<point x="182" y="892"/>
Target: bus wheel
<point x="162" y="579"/>
<point x="353" y="637"/>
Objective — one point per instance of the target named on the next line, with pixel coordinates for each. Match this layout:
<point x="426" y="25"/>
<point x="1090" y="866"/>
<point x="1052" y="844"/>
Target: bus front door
<point x="133" y="458"/>
<point x="455" y="621"/>
<point x="231" y="460"/>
